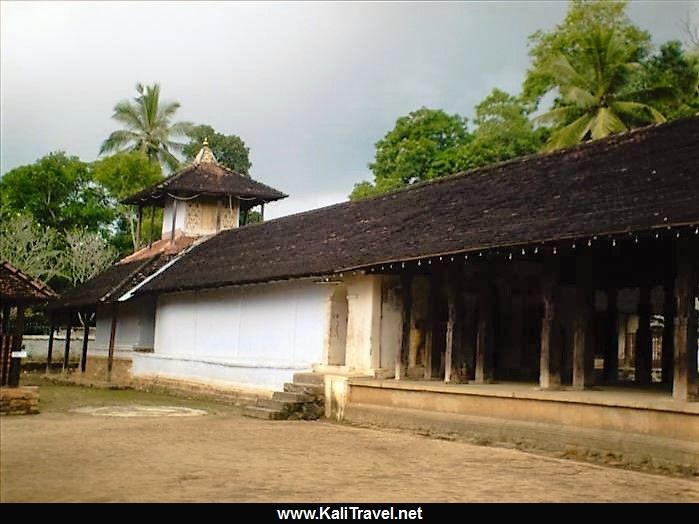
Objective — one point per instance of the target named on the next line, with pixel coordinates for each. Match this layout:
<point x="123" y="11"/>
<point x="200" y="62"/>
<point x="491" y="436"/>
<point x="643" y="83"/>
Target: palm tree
<point x="147" y="127"/>
<point x="595" y="100"/>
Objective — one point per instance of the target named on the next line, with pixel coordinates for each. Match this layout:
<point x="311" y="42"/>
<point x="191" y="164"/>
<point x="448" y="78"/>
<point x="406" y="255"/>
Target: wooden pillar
<point x="16" y="362"/>
<point x="83" y="356"/>
<point x="406" y="280"/>
<point x="66" y="347"/>
<point x="152" y="225"/>
<point x="52" y="331"/>
<point x="4" y="327"/>
<point x="644" y="341"/>
<point x="219" y="206"/>
<point x="174" y="220"/>
<point x="262" y="212"/>
<point x="455" y="312"/>
<point x="611" y="347"/>
<point x="668" y="349"/>
<point x="485" y="334"/>
<point x="138" y="227"/>
<point x="684" y="384"/>
<point x="429" y="330"/>
<point x="112" y="336"/>
<point x="550" y="363"/>
<point x="583" y="334"/>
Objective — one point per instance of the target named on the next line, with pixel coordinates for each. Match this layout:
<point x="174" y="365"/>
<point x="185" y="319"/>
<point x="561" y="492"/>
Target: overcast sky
<point x="310" y="87"/>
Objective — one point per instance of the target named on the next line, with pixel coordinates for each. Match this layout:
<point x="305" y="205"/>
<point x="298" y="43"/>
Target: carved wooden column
<point x="433" y="356"/>
<point x="583" y="335"/>
<point x="644" y="339"/>
<point x="406" y="280"/>
<point x="550" y="363"/>
<point x="485" y="333"/>
<point x="611" y="347"/>
<point x="455" y="307"/>
<point x="668" y="351"/>
<point x="684" y="384"/>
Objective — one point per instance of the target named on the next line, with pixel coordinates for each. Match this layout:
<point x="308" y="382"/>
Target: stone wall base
<point x="23" y="400"/>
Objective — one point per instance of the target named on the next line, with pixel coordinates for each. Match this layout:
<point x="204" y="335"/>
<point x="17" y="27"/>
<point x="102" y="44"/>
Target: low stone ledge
<point x="23" y="400"/>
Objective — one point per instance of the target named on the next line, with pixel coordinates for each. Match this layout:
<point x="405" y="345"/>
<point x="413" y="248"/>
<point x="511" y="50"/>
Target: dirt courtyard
<point x="63" y="455"/>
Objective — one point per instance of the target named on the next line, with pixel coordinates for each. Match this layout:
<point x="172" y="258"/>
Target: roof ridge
<point x="123" y="281"/>
<point x="616" y="140"/>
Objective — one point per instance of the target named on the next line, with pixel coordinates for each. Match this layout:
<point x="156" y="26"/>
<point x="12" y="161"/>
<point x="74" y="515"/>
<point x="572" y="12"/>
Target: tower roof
<point x="206" y="177"/>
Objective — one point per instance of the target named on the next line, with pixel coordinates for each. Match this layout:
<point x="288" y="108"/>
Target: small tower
<point x="203" y="198"/>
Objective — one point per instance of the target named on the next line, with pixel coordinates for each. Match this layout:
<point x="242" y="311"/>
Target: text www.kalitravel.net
<point x="350" y="513"/>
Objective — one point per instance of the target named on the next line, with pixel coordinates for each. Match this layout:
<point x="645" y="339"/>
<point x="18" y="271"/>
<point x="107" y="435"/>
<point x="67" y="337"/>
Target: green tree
<point x="583" y="17"/>
<point x="229" y="150"/>
<point x="58" y="192"/>
<point x="503" y="131"/>
<point x="594" y="98"/>
<point x="420" y="147"/>
<point x="124" y="174"/>
<point x="148" y="127"/>
<point x="674" y="70"/>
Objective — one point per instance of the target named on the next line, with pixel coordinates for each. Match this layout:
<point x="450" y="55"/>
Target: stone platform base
<point x="23" y="400"/>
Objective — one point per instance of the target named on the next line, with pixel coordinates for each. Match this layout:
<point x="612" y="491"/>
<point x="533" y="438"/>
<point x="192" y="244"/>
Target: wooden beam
<point x="66" y="347"/>
<point x="611" y="347"/>
<point x="52" y="331"/>
<point x="83" y="356"/>
<point x="112" y="337"/>
<point x="684" y="384"/>
<point x="643" y="362"/>
<point x="485" y="333"/>
<point x="550" y="358"/>
<point x="174" y="220"/>
<point x="406" y="280"/>
<point x="138" y="227"/>
<point x="583" y="335"/>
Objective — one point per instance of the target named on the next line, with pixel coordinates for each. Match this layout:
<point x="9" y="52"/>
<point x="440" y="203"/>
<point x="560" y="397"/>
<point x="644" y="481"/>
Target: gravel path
<point x="225" y="457"/>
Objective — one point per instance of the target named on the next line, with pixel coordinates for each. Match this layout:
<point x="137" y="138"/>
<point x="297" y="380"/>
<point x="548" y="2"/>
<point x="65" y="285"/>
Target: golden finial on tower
<point x="206" y="141"/>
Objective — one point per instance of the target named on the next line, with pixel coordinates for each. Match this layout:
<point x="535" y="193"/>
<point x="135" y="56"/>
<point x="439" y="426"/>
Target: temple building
<point x="503" y="293"/>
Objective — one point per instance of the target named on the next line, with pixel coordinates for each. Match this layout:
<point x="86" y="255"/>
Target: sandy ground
<point x="67" y="456"/>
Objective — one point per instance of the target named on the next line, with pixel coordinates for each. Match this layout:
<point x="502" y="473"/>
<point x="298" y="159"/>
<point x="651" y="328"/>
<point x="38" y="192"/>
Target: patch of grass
<point x="60" y="398"/>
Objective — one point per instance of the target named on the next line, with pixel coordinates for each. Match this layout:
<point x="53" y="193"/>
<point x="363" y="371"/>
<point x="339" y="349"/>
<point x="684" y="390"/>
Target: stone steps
<point x="287" y="396"/>
<point x="301" y="399"/>
<point x="309" y="378"/>
<point x="264" y="413"/>
<point x="307" y="389"/>
<point x="278" y="405"/>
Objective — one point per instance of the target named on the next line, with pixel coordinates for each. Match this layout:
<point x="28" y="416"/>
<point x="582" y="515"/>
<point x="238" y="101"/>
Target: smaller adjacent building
<point x="17" y="292"/>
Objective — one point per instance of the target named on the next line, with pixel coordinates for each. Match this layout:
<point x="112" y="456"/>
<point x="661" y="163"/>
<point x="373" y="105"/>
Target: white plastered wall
<point x="254" y="336"/>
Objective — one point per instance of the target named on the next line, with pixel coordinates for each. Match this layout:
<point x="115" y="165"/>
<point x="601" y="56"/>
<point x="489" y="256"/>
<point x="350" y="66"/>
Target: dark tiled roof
<point x="633" y="182"/>
<point x="207" y="178"/>
<point x="18" y="287"/>
<point x="109" y="285"/>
